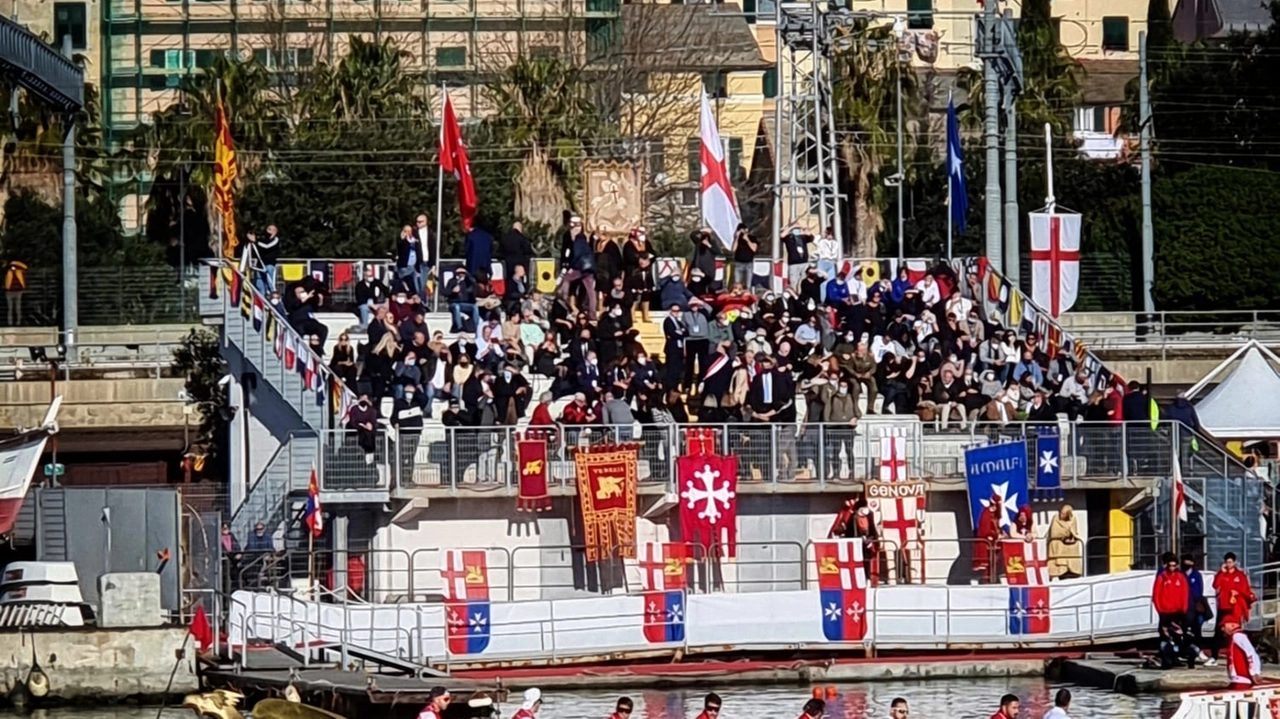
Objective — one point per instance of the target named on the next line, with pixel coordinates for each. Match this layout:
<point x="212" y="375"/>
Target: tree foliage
<point x="199" y="359"/>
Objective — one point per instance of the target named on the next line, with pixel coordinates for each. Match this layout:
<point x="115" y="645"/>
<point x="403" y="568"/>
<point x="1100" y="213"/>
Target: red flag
<point x="313" y="516"/>
<point x="200" y="629"/>
<point x="709" y="501"/>
<point x="453" y="159"/>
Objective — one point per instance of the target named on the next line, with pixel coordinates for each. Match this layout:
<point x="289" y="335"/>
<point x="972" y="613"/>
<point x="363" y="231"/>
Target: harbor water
<point x="933" y="699"/>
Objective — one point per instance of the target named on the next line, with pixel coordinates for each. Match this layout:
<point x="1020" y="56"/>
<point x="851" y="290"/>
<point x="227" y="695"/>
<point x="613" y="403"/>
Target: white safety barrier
<point x="1081" y="611"/>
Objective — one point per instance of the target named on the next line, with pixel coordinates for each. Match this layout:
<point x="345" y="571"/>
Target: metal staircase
<point x="285" y="364"/>
<point x="288" y="471"/>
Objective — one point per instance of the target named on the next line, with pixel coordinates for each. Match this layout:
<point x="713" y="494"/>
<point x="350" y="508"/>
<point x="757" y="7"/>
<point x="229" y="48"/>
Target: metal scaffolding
<point x="805" y="172"/>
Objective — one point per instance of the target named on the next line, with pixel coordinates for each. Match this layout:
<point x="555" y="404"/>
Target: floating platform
<point x="1128" y="675"/>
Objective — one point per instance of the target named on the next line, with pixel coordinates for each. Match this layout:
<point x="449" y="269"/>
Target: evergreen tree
<point x="1051" y="86"/>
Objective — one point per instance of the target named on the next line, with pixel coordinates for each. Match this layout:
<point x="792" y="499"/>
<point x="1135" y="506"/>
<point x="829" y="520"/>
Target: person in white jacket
<point x="1244" y="666"/>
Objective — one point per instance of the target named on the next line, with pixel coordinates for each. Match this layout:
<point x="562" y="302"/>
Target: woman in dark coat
<point x="637" y="257"/>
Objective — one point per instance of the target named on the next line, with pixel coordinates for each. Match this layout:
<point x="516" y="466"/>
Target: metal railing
<point x="399" y="576"/>
<point x="409" y="635"/>
<point x="1174" y="330"/>
<point x="108" y="296"/>
<point x="838" y="454"/>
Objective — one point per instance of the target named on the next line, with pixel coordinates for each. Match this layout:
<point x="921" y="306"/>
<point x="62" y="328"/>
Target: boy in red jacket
<point x="1235" y="597"/>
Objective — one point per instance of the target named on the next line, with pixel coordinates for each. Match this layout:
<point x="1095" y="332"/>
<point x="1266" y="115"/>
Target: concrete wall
<point x="93" y="403"/>
<point x="100" y="664"/>
<point x="530" y="552"/>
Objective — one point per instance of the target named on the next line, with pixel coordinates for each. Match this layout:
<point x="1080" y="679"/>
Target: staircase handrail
<point x="331" y="379"/>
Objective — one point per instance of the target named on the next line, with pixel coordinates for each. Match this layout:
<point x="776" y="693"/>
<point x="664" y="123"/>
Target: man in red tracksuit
<point x="1235" y="597"/>
<point x="1244" y="667"/>
<point x="1169" y="594"/>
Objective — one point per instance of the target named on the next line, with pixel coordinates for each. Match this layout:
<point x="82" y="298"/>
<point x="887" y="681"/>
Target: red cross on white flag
<point x="893" y="458"/>
<point x="718" y="209"/>
<point x="1055" y="261"/>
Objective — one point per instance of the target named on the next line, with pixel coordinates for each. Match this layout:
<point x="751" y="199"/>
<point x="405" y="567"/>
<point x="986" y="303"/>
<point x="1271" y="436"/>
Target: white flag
<point x="1055" y="261"/>
<point x="718" y="210"/>
<point x="1179" y="492"/>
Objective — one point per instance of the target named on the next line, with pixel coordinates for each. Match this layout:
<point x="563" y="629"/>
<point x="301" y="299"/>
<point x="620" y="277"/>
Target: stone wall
<point x="100" y="665"/>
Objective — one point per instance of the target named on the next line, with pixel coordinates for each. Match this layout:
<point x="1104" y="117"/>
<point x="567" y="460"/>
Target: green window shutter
<point x="1115" y="33"/>
<point x="695" y="159"/>
<point x="769" y="84"/>
<point x="920" y="14"/>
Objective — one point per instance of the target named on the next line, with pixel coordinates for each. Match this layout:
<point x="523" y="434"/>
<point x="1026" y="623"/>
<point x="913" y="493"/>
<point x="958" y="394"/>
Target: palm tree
<point x="546" y="114"/>
<point x="867" y="66"/>
<point x="177" y="145"/>
<point x="370" y="83"/>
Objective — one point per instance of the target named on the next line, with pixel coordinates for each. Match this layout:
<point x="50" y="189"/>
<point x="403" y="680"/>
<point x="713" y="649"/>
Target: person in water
<point x="711" y="706"/>
<point x="623" y="709"/>
<point x="813" y="709"/>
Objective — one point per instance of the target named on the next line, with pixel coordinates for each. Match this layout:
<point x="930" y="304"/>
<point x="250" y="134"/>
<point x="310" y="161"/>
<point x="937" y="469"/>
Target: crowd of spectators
<point x="832" y="345"/>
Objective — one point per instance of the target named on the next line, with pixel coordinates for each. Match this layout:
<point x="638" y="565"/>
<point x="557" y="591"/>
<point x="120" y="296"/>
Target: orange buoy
<point x="817" y="692"/>
<point x="831" y="692"/>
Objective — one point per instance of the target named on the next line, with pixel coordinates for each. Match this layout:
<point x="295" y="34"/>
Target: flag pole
<point x="311" y="562"/>
<point x="1050" y="201"/>
<point x="435" y="296"/>
<point x="950" y="209"/>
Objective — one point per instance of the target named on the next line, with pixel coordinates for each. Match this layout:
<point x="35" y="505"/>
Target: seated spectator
<point x="370" y="293"/>
<point x="460" y="290"/>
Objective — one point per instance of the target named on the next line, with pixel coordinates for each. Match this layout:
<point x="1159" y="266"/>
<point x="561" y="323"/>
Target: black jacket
<point x="515" y="248"/>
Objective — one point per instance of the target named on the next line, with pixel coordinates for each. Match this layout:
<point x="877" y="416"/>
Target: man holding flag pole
<point x="313" y="517"/>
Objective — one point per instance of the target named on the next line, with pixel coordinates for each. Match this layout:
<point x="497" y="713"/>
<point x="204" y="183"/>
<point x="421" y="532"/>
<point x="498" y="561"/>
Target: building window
<point x="451" y="57"/>
<point x="69" y="19"/>
<point x="920" y="14"/>
<point x="749" y="9"/>
<point x="636" y="83"/>
<point x="769" y="83"/>
<point x="736" y="173"/>
<point x="1115" y="33"/>
<point x="689" y="198"/>
<point x="694" y="151"/>
<point x="602" y="34"/>
<point x="172" y="59"/>
<point x="657" y="159"/>
<point x="716" y="85"/>
<point x="544" y="52"/>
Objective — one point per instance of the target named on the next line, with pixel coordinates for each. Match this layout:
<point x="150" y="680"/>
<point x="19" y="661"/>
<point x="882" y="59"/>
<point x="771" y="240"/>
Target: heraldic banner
<point x="532" y="459"/>
<point x="607" y="495"/>
<point x="709" y="502"/>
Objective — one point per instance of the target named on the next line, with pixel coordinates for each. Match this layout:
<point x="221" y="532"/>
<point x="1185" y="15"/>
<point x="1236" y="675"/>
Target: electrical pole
<point x="70" y="281"/>
<point x="1148" y="239"/>
<point x="902" y="175"/>
<point x="1012" y="225"/>
<point x="991" y="132"/>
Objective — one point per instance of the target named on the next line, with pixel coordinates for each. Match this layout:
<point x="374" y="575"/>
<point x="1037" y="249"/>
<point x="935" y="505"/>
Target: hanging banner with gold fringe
<point x="607" y="495"/>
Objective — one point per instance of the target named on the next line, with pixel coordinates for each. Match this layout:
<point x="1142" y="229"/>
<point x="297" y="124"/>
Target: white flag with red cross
<point x="1055" y="260"/>
<point x="718" y="210"/>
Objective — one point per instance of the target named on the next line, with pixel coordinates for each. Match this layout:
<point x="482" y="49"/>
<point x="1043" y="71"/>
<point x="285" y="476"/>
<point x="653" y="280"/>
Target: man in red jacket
<point x="1169" y="594"/>
<point x="1235" y="597"/>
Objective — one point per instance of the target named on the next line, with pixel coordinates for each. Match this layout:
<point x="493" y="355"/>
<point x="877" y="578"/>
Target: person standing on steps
<point x="1235" y="597"/>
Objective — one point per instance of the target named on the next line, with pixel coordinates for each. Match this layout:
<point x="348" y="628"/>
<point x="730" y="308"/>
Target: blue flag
<point x="959" y="199"/>
<point x="998" y="470"/>
<point x="1048" y="460"/>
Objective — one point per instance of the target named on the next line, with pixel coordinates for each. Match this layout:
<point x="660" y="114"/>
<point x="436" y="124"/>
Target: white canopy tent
<point x="1246" y="403"/>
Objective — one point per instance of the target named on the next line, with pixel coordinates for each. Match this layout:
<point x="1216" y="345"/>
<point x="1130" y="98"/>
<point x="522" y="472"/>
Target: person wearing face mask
<point x="836" y="292"/>
<point x="644" y="379"/>
<point x="675" y="332"/>
<point x="363" y="420"/>
<point x="370" y="293"/>
<point x="406" y="417"/>
<point x="796" y="246"/>
<point x="809" y="294"/>
<point x="511" y="395"/>
<point x="697" y="343"/>
<point x="839" y="416"/>
<point x="589" y="377"/>
<point x="461" y="293"/>
<point x="612" y="332"/>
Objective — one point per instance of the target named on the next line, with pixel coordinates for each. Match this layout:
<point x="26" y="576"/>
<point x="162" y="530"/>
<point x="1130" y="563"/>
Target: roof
<point x="694" y="38"/>
<point x="1103" y="81"/>
<point x="1201" y="19"/>
<point x="1232" y="409"/>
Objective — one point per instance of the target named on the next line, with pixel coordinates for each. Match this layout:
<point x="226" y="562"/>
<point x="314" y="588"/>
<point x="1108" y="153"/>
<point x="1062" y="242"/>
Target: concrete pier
<point x="101" y="665"/>
<point x="1128" y="676"/>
